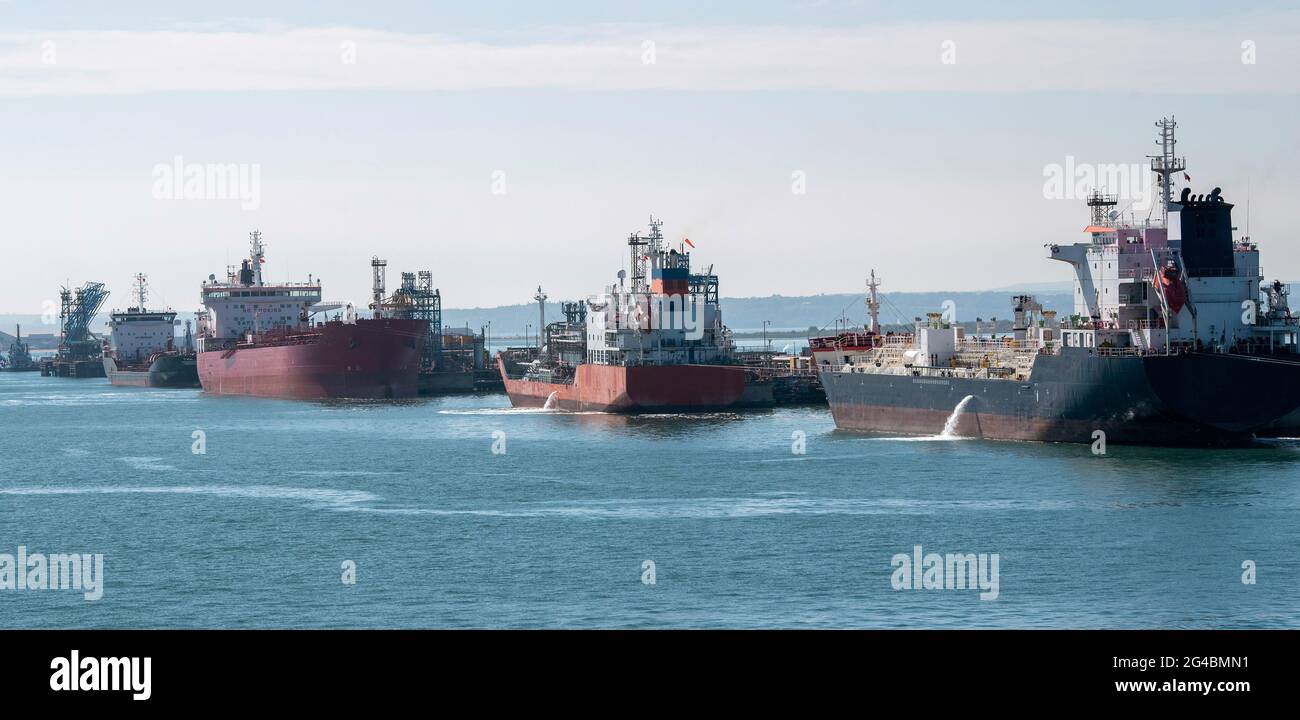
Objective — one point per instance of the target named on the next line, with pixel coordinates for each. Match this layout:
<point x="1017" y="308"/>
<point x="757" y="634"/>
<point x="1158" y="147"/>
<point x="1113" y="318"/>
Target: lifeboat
<point x="1170" y="283"/>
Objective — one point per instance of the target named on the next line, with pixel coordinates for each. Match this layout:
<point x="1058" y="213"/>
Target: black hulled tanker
<point x="1071" y="395"/>
<point x="1171" y="342"/>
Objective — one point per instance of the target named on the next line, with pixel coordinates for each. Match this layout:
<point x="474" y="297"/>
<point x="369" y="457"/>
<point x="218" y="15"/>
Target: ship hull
<point x="1190" y="399"/>
<point x="638" y="389"/>
<point x="371" y="359"/>
<point x="168" y="371"/>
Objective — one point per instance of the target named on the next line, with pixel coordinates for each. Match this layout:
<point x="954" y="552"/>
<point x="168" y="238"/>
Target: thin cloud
<point x="1202" y="56"/>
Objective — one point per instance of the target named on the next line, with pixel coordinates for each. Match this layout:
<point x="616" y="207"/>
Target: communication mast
<point x="873" y="303"/>
<point x="540" y="297"/>
<point x="258" y="255"/>
<point x="642" y="249"/>
<point x="636" y="245"/>
<point x="1097" y="208"/>
<point x="1167" y="162"/>
<point x="141" y="291"/>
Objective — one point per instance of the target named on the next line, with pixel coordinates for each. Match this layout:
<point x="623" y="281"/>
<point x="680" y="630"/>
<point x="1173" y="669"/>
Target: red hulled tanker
<point x="613" y="388"/>
<point x="653" y="342"/>
<point x="260" y="339"/>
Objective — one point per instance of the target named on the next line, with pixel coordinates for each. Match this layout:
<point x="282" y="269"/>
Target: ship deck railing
<point x="1135" y="274"/>
<point x="309" y="339"/>
<point x="771" y="372"/>
<point x="962" y="372"/>
<point x="1127" y="351"/>
<point x="859" y="340"/>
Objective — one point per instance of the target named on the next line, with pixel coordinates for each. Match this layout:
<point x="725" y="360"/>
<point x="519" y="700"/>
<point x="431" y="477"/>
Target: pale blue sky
<point x="934" y="181"/>
<point x="436" y="16"/>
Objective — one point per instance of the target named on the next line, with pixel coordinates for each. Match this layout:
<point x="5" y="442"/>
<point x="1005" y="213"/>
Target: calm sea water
<point x="555" y="532"/>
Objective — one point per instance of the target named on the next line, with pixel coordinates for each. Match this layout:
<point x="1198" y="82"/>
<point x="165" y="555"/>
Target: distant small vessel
<point x="259" y="339"/>
<point x="141" y="348"/>
<point x="20" y="355"/>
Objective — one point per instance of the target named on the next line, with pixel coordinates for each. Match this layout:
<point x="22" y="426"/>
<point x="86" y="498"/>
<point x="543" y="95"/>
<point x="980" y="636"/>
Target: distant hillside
<point x="789" y="313"/>
<point x="741" y="314"/>
<point x="42" y="342"/>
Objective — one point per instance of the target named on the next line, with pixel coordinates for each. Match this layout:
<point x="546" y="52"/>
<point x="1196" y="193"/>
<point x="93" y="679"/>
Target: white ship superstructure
<point x="1185" y="282"/>
<point x="136" y="333"/>
<point x="662" y="315"/>
<point x="243" y="303"/>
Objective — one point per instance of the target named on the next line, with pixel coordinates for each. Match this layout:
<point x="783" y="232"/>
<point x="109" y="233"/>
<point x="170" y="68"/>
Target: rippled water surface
<point x="556" y="531"/>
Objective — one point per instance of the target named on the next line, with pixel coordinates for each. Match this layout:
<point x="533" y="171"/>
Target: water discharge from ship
<point x="950" y="425"/>
<point x="949" y="431"/>
<point x="550" y="401"/>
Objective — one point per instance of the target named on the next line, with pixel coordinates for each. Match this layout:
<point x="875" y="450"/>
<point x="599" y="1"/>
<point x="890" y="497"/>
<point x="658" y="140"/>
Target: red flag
<point x="688" y="242"/>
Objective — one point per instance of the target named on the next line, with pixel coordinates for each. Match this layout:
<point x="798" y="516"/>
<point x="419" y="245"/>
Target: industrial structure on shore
<point x="454" y="360"/>
<point x="80" y="351"/>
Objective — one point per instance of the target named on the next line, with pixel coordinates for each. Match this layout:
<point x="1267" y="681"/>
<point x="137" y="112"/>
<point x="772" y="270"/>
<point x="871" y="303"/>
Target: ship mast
<point x="873" y="303"/>
<point x="642" y="249"/>
<point x="141" y="290"/>
<point x="636" y="244"/>
<point x="258" y="255"/>
<point x="1167" y="162"/>
<point x="1098" y="205"/>
<point x="540" y="297"/>
<point x="656" y="236"/>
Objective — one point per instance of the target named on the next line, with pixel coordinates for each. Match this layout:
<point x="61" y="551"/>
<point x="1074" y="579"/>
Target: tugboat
<point x="1171" y="342"/>
<point x="141" y="347"/>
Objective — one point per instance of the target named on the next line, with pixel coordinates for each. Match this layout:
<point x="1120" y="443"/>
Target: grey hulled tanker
<point x="1171" y="342"/>
<point x="141" y="349"/>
